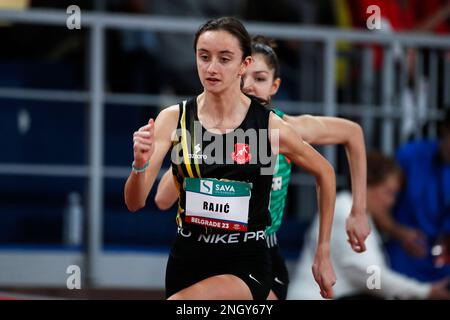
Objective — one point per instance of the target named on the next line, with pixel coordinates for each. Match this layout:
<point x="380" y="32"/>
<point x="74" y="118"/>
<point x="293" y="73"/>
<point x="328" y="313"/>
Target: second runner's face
<point x="259" y="79"/>
<point x="219" y="61"/>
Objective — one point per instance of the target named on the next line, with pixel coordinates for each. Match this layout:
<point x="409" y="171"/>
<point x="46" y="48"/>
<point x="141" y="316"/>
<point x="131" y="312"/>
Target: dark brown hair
<point x="232" y="26"/>
<point x="380" y="167"/>
<point x="266" y="47"/>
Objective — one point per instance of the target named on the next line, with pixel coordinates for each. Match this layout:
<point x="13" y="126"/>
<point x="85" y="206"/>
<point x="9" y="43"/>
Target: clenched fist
<point x="323" y="272"/>
<point x="143" y="144"/>
<point x="358" y="229"/>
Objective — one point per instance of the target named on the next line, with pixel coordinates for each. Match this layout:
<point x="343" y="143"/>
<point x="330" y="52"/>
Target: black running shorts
<point x="195" y="257"/>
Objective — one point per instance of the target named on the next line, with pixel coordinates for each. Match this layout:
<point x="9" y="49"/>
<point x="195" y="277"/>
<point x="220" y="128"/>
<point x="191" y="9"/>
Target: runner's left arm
<point x="167" y="193"/>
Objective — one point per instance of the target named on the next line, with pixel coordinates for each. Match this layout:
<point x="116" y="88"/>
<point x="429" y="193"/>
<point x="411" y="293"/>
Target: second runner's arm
<point x="302" y="154"/>
<point x="167" y="193"/>
<point x="333" y="130"/>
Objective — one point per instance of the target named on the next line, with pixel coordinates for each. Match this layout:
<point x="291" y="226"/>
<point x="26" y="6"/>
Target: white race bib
<point x="217" y="203"/>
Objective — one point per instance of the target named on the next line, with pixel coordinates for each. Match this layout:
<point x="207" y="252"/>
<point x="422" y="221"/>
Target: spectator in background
<point x="301" y="62"/>
<point x="413" y="16"/>
<point x="384" y="181"/>
<point x="422" y="214"/>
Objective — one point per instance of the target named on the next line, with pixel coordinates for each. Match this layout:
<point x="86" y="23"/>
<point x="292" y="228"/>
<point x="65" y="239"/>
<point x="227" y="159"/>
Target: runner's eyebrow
<point x="227" y="52"/>
<point x="201" y="50"/>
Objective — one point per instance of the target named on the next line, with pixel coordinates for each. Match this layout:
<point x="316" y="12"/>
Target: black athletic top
<point x="235" y="163"/>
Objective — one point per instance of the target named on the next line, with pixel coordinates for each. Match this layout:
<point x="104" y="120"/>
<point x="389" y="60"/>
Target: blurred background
<point x="70" y="100"/>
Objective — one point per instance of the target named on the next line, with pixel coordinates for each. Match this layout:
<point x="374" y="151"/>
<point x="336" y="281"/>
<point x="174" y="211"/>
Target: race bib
<point x="217" y="203"/>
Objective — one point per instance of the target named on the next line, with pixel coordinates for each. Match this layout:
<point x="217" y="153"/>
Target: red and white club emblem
<point x="241" y="153"/>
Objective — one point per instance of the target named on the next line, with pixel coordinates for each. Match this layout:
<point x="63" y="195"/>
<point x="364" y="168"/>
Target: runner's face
<point x="219" y="61"/>
<point x="259" y="79"/>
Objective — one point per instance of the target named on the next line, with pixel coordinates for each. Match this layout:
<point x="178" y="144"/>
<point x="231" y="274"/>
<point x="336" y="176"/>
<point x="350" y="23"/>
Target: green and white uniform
<point x="278" y="194"/>
<point x="280" y="182"/>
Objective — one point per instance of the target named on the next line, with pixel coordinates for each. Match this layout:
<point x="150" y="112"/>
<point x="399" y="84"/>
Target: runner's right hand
<point x="143" y="144"/>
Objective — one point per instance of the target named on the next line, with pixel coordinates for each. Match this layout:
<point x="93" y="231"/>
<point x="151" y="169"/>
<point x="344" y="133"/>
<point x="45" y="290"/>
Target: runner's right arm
<point x="151" y="143"/>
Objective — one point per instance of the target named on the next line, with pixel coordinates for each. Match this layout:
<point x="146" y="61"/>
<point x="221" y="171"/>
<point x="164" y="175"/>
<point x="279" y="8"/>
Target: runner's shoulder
<point x="167" y="120"/>
<point x="170" y="112"/>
